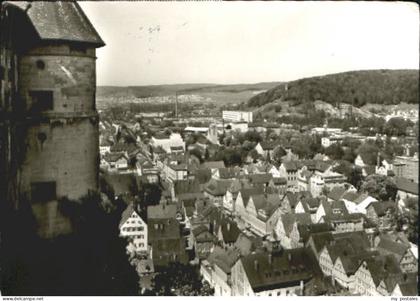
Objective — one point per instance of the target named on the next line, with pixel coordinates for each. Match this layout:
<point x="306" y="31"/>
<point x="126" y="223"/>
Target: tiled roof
<point x="330" y="207"/>
<point x="295" y="197"/>
<point x="305" y="230"/>
<point x="230" y="231"/>
<point x="267" y="203"/>
<point x="351" y="262"/>
<point x="224" y="259"/>
<point x="406" y="185"/>
<point x="287" y="268"/>
<point x="336" y="193"/>
<point x="388" y="246"/>
<point x="279" y="180"/>
<point x="350" y="196"/>
<point x="289" y="219"/>
<point x="382" y="207"/>
<point x="214" y="164"/>
<point x="247" y="244"/>
<point x="217" y="187"/>
<point x="186" y="186"/>
<point x="261" y="178"/>
<point x="60" y="20"/>
<point x="113" y="157"/>
<point x="381" y="267"/>
<point x="247" y="192"/>
<point x="163" y="228"/>
<point x="162" y="211"/>
<point x="291" y="166"/>
<point x="127" y="213"/>
<point x="229" y="173"/>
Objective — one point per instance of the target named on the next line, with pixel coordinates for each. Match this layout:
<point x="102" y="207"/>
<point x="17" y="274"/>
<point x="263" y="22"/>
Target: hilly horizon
<point x="358" y="88"/>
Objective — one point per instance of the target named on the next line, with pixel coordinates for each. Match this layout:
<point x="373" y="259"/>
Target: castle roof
<point x="60" y="20"/>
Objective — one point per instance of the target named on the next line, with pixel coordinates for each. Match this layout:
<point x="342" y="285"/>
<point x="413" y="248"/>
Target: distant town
<point x="198" y="191"/>
<point x="262" y="208"/>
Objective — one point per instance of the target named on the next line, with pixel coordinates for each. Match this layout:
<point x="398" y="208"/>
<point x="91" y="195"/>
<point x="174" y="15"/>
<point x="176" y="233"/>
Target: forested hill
<point x="355" y="87"/>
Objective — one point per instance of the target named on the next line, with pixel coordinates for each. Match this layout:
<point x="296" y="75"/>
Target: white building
<point x="236" y="116"/>
<point x="134" y="228"/>
<point x="328" y="141"/>
<point x="174" y="140"/>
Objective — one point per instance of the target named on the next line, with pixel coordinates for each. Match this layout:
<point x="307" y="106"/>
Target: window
<point x="41" y="101"/>
<point x="43" y="191"/>
<point x="40" y="64"/>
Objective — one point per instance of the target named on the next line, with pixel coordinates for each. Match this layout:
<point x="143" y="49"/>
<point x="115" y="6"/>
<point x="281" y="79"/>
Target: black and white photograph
<point x="209" y="148"/>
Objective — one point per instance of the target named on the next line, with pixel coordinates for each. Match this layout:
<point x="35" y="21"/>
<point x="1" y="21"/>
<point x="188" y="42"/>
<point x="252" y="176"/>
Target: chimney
<point x="301" y="287"/>
<point x="256" y="264"/>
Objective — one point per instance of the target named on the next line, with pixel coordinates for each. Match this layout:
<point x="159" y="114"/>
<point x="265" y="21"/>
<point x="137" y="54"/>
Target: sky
<point x="150" y="43"/>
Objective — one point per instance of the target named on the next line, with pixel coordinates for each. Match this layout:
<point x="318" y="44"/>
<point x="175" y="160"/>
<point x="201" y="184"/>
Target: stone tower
<point x="56" y="118"/>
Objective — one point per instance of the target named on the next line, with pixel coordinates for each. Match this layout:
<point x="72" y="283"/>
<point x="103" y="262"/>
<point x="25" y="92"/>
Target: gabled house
<point x="115" y="162"/>
<point x="134" y="228"/>
<point x="203" y="241"/>
<point x="215" y="190"/>
<point x="358" y="203"/>
<point x="402" y="253"/>
<point x="213" y="165"/>
<point x="330" y="208"/>
<point x="406" y="188"/>
<point x="279" y="183"/>
<point x="217" y="270"/>
<point x="260" y="179"/>
<point x="285" y="224"/>
<point x="372" y="273"/>
<point x="291" y="199"/>
<point x="272" y="273"/>
<point x="224" y="173"/>
<point x="261" y="213"/>
<point x="266" y="148"/>
<point x="289" y="171"/>
<point x="227" y="234"/>
<point x="242" y="199"/>
<point x="308" y="205"/>
<point x="232" y="192"/>
<point x="301" y="232"/>
<point x="349" y="222"/>
<point x="382" y="214"/>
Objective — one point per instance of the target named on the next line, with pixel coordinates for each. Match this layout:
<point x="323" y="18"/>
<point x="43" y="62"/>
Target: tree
<point x="356" y="177"/>
<point x="369" y="151"/>
<point x="180" y="280"/>
<point x="380" y="187"/>
<point x="397" y="126"/>
<point x="278" y="153"/>
<point x="334" y="151"/>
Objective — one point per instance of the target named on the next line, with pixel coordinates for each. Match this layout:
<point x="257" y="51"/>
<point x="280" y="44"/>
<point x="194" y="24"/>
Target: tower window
<point x="43" y="191"/>
<point x="77" y="48"/>
<point x="40" y="64"/>
<point x="41" y="100"/>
